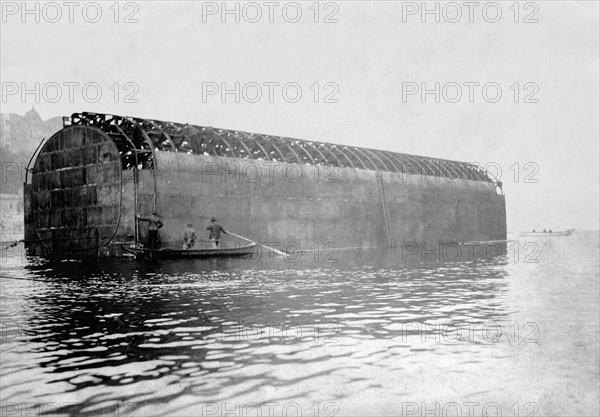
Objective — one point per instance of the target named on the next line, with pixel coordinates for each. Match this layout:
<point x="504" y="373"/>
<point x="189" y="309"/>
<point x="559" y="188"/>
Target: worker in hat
<point x="154" y="223"/>
<point x="189" y="237"/>
<point x="215" y="232"/>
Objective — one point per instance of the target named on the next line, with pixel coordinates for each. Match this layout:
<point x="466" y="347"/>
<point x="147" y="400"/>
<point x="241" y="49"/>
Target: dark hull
<point x="86" y="190"/>
<point x="186" y="254"/>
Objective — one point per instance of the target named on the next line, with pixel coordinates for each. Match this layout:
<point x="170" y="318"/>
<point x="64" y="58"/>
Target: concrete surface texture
<point x="80" y="199"/>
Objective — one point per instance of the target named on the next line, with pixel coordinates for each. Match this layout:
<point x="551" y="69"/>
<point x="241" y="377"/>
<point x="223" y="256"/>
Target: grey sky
<point x="368" y="54"/>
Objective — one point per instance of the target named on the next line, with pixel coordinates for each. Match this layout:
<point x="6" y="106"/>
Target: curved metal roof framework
<point x="135" y="136"/>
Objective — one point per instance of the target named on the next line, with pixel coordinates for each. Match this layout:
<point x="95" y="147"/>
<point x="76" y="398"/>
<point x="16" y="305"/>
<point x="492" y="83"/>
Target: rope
<point x="15" y="243"/>
<point x="23" y="279"/>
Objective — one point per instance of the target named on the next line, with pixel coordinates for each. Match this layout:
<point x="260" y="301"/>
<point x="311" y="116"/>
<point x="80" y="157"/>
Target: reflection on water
<point x="369" y="334"/>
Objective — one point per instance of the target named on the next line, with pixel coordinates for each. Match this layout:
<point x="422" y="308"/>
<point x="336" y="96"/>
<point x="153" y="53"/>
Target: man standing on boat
<point x="154" y="223"/>
<point x="189" y="238"/>
<point x="215" y="232"/>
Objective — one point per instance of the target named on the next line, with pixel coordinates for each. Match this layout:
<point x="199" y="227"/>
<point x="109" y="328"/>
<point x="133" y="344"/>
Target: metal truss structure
<point x="138" y="138"/>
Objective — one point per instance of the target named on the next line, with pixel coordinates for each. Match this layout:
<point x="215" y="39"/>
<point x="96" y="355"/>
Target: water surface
<point x="373" y="333"/>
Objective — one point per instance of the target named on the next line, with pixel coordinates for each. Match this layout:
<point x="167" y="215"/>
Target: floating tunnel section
<point x="86" y="184"/>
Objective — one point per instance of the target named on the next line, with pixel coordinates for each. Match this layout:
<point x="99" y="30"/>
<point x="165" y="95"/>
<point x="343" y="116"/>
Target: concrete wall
<point x="284" y="204"/>
<point x="304" y="204"/>
<point x="74" y="200"/>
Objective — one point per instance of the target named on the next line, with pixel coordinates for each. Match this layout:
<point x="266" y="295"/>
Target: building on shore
<point x="24" y="133"/>
<point x="11" y="217"/>
<point x="11" y="205"/>
<point x="19" y="138"/>
<point x="91" y="179"/>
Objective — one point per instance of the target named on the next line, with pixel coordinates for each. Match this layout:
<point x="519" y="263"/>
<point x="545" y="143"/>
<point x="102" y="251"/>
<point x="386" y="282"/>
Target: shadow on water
<point x="190" y="327"/>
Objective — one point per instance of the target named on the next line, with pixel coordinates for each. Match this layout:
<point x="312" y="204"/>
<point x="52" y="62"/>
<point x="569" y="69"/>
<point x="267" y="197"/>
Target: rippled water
<point x="370" y="334"/>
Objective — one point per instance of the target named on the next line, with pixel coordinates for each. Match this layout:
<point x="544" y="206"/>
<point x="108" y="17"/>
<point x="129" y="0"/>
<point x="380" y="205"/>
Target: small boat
<point x="169" y="253"/>
<point x="549" y="233"/>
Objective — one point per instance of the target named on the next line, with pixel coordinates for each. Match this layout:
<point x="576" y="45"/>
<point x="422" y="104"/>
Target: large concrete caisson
<point x="90" y="180"/>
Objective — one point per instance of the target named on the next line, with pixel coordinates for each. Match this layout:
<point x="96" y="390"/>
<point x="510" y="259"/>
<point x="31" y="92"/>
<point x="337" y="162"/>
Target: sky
<point x="343" y="72"/>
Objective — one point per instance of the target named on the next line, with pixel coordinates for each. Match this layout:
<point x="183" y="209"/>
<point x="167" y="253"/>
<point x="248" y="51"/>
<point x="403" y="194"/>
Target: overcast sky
<point x="363" y="63"/>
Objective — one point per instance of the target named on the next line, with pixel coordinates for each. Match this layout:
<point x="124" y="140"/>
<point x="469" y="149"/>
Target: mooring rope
<point x="23" y="279"/>
<point x="15" y="243"/>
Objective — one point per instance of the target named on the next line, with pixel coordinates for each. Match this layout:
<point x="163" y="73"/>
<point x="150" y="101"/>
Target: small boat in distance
<point x="548" y="233"/>
<point x="169" y="253"/>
